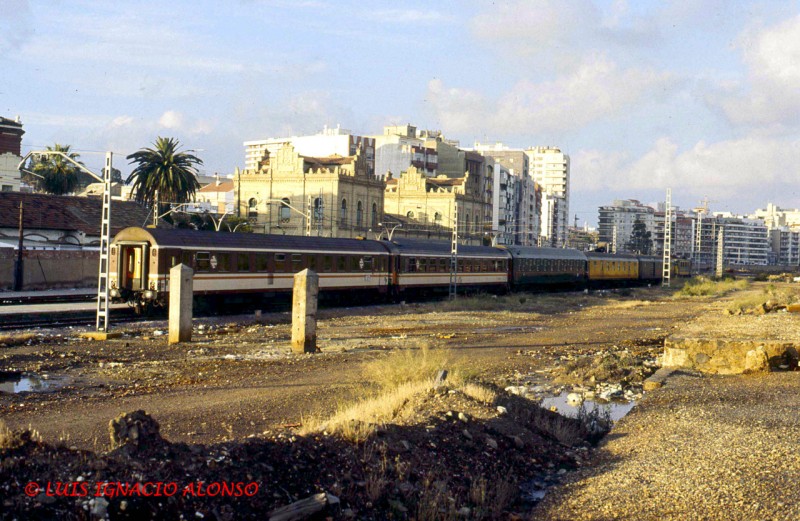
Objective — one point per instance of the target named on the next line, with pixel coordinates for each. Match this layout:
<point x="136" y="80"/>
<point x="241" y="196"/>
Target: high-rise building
<point x="399" y="148"/>
<point x="616" y="222"/>
<point x="549" y="167"/>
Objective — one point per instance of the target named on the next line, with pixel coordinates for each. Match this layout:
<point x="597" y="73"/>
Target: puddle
<point x="616" y="410"/>
<point x="13" y="383"/>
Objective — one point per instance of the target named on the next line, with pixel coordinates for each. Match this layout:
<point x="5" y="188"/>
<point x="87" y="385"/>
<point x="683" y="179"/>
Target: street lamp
<point x="389" y="233"/>
<point x="105" y="228"/>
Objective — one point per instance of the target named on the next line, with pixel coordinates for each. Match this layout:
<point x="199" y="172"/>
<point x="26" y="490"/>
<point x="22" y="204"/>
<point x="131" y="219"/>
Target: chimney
<point x="216" y="179"/>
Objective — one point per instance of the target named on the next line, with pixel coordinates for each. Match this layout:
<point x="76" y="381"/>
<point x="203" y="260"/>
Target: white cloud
<point x="596" y="89"/>
<point x="750" y="167"/>
<point x="770" y="98"/>
<point x="171" y="119"/>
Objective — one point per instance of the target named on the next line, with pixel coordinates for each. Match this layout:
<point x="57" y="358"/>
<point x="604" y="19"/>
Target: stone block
<point x="304" y="312"/>
<point x="180" y="303"/>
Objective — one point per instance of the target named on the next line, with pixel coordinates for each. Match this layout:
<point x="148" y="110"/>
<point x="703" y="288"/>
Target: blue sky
<point x="699" y="96"/>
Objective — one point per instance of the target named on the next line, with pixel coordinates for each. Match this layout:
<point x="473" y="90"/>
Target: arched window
<point x="477" y="224"/>
<point x="410" y="214"/>
<point x="374" y="215"/>
<point x="466" y="224"/>
<point x="286" y="211"/>
<point x="359" y="214"/>
<point x="437" y="218"/>
<point x="252" y="208"/>
<point x="343" y="213"/>
<point x="317" y="215"/>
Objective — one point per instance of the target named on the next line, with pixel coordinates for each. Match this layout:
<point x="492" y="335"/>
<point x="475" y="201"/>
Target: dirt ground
<point x="237" y="376"/>
<point x="231" y="403"/>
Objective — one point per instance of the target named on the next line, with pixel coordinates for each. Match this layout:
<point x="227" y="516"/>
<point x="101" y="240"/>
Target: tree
<point x="55" y="174"/>
<point x="641" y="241"/>
<point x="164" y="170"/>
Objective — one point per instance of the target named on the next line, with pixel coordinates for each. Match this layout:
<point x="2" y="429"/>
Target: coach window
<point x="174" y="260"/>
<point x="186" y="258"/>
<point x="327" y="263"/>
<point x="312" y="262"/>
<point x="467" y="266"/>
<point x="443" y="265"/>
<point x="341" y="263"/>
<point x="412" y="265"/>
<point x="368" y="264"/>
<point x="224" y="262"/>
<point x="297" y="262"/>
<point x="243" y="262"/>
<point x="280" y="262"/>
<point x="484" y="265"/>
<point x="460" y="265"/>
<point x="202" y="261"/>
<point x="262" y="262"/>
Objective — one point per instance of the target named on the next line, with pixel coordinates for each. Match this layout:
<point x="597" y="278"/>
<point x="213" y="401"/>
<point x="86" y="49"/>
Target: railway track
<point x="62" y="319"/>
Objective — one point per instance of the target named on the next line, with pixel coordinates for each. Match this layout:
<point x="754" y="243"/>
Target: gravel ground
<point x="702" y="447"/>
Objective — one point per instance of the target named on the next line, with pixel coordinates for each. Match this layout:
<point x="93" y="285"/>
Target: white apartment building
<point x="776" y="217"/>
<point x="785" y="246"/>
<point x="399" y="148"/>
<point x="504" y="204"/>
<point x="615" y="222"/>
<point x="329" y="142"/>
<point x="549" y="167"/>
<point x="10" y="154"/>
<point x="745" y="241"/>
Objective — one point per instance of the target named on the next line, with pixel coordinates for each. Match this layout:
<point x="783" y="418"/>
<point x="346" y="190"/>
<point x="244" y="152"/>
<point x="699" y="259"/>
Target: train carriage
<point x="612" y="269"/>
<point x="424" y="266"/>
<point x="549" y="267"/>
<point x="650" y="268"/>
<point x="240" y="264"/>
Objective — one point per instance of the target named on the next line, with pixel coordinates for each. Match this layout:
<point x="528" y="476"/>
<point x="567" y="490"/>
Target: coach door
<point x="132" y="273"/>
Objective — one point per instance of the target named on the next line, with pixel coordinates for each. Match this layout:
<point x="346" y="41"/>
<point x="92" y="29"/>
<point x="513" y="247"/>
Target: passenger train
<point x="254" y="266"/>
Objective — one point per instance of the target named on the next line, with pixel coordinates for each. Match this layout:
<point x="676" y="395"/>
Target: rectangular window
<point x="312" y="262"/>
<point x="412" y="265"/>
<point x="368" y="263"/>
<point x="297" y="262"/>
<point x="243" y="262"/>
<point x="174" y="260"/>
<point x="341" y="263"/>
<point x="262" y="262"/>
<point x="224" y="262"/>
<point x="202" y="260"/>
<point x="327" y="263"/>
<point x="186" y="258"/>
<point x="423" y="265"/>
<point x="280" y="262"/>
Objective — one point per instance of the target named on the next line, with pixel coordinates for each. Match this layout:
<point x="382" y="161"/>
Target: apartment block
<point x="745" y="241"/>
<point x="549" y="167"/>
<point x="399" y="148"/>
<point x="785" y="246"/>
<point x="615" y="222"/>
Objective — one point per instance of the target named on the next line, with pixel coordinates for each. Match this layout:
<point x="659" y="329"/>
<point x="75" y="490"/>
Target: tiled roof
<point x="225" y="186"/>
<point x="53" y="212"/>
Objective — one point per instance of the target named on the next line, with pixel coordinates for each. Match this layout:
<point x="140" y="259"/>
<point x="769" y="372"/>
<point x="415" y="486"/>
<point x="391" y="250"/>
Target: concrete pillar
<point x="304" y="312"/>
<point x="180" y="304"/>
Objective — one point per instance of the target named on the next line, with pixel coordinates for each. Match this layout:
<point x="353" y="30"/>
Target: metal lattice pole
<point x="667" y="266"/>
<point x="105" y="240"/>
<point x="454" y="255"/>
<point x="720" y="251"/>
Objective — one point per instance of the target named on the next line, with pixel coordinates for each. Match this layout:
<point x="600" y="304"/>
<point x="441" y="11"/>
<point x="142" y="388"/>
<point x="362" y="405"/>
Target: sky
<point x="702" y="97"/>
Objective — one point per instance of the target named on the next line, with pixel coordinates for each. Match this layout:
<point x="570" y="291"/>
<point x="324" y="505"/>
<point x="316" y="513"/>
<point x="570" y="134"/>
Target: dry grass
<point x="358" y="421"/>
<point x="705" y="287"/>
<point x="13" y="439"/>
<point x="771" y="296"/>
<point x="518" y="302"/>
<point x="479" y="393"/>
<point x="404" y="366"/>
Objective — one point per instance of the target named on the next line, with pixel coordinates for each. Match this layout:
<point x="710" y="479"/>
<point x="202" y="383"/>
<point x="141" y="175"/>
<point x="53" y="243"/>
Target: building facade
<point x="293" y="194"/>
<point x="745" y="241"/>
<point x="10" y="154"/>
<point x="399" y="148"/>
<point x="549" y="167"/>
<point x="616" y="221"/>
<point x="330" y="142"/>
<point x="785" y="245"/>
<point x="429" y="204"/>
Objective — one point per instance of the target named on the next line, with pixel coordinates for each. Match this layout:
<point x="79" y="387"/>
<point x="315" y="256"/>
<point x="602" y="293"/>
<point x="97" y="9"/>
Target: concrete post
<point x="304" y="312"/>
<point x="180" y="304"/>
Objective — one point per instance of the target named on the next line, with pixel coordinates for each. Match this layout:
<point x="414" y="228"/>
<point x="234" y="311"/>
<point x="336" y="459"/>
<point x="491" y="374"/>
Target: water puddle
<point x="13" y="383"/>
<point x="567" y="407"/>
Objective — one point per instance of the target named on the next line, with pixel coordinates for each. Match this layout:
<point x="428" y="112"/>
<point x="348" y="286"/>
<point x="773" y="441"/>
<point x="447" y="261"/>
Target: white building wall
<point x="9" y="175"/>
<point x="549" y="167"/>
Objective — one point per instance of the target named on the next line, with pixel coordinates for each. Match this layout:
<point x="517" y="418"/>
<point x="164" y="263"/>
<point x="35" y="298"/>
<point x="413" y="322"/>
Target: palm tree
<point x="164" y="170"/>
<point x="54" y="174"/>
